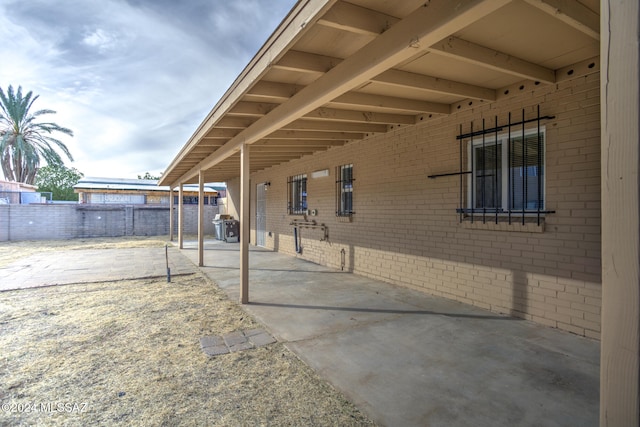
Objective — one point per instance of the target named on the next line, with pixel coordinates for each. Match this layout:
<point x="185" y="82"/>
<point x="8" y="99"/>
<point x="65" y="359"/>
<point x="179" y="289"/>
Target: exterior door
<point x="261" y="214"/>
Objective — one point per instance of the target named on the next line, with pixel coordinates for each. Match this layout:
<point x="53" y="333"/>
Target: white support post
<point x="244" y="224"/>
<point x="200" y="218"/>
<point x="620" y="151"/>
<point x="181" y="216"/>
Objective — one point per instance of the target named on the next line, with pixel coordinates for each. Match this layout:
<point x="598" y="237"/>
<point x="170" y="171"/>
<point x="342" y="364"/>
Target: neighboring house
<point x="460" y="148"/>
<point x="139" y="191"/>
<point x="12" y="192"/>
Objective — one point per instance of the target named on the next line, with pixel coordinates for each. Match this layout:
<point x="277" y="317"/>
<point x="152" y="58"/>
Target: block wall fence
<point x="406" y="230"/>
<point x="69" y="221"/>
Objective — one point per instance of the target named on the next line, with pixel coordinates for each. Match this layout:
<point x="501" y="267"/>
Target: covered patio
<point x="338" y="72"/>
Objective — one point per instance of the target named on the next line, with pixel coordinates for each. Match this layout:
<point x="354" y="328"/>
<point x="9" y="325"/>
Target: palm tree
<point x="23" y="140"/>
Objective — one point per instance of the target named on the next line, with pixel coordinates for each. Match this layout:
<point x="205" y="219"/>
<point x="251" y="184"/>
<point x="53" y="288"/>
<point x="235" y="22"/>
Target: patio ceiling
<point x="338" y="71"/>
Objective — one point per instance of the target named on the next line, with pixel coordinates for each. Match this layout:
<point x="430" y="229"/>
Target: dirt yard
<point x="128" y="353"/>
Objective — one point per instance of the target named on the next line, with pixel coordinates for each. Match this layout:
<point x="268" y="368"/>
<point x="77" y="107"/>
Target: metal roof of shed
<point x="125" y="184"/>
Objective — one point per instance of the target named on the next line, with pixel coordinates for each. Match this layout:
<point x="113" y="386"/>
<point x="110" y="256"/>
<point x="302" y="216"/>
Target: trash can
<point x="219" y="226"/>
<point x="231" y="231"/>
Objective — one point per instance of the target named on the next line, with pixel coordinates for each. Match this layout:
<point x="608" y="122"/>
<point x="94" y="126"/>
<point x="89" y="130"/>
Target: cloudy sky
<point x="132" y="78"/>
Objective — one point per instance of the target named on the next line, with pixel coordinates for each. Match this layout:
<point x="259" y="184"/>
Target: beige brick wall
<point x="406" y="230"/>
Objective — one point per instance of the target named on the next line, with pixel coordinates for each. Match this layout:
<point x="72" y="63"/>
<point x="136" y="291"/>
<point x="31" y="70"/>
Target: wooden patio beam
<point x="467" y="51"/>
<point x="312" y="63"/>
<point x="293" y="143"/>
<point x="335" y="114"/>
<point x="421" y="29"/>
<point x="311" y="135"/>
<point x="356" y="19"/>
<point x="572" y="13"/>
<point x="391" y="103"/>
<point x="434" y="84"/>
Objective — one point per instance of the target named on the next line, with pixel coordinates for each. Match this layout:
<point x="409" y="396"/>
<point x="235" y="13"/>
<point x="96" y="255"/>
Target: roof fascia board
<point x="424" y="27"/>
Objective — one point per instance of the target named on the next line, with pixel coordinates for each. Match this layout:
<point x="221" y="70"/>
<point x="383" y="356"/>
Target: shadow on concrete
<point x="384" y="311"/>
<point x="252" y="269"/>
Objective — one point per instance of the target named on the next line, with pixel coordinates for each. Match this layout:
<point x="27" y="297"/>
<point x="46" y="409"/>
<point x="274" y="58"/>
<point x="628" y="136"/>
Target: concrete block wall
<point x="191" y="219"/>
<point x="4" y="222"/>
<point x="406" y="230"/>
<point x="100" y="221"/>
<point x="150" y="221"/>
<point x="37" y="222"/>
<point x="69" y="221"/>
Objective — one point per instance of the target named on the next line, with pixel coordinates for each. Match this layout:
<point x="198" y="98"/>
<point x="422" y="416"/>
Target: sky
<point x="132" y="79"/>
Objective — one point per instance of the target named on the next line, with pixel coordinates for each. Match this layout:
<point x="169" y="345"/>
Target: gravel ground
<point x="128" y="353"/>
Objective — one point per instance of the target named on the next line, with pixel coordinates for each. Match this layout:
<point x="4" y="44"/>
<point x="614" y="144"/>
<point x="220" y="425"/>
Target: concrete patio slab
<point x="410" y="359"/>
<point x="91" y="265"/>
<point x="403" y="357"/>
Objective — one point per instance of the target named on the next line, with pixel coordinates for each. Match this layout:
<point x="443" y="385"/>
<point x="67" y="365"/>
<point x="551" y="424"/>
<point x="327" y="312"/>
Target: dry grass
<point x="127" y="353"/>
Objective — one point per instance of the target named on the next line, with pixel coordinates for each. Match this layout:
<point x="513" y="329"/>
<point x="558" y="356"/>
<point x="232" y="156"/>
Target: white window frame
<point x="490" y="140"/>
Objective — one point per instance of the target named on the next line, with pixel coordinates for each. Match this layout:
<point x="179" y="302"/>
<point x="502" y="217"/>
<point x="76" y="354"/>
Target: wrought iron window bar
<point x="344" y="175"/>
<point x="497" y="213"/>
<point x="297" y="194"/>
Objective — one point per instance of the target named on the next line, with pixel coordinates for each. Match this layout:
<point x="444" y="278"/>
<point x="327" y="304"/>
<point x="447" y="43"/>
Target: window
<point x="508" y="176"/>
<point x="297" y="195"/>
<point x="344" y="190"/>
<point x="193" y="200"/>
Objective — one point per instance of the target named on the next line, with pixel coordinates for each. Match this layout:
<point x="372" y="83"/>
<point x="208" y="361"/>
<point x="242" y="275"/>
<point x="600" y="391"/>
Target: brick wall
<point x="68" y="221"/>
<point x="406" y="230"/>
